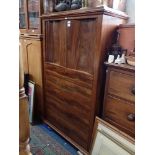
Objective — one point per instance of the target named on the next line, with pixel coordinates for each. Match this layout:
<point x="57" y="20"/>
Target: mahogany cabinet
<point x="74" y="47"/>
<point x="119" y="98"/>
<point x="29" y="12"/>
<point x="32" y="65"/>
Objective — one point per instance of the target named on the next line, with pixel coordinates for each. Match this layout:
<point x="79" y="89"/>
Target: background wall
<point x="130" y="10"/>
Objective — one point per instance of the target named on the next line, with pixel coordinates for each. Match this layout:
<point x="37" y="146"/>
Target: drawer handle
<point x="131" y="117"/>
<point x="133" y="91"/>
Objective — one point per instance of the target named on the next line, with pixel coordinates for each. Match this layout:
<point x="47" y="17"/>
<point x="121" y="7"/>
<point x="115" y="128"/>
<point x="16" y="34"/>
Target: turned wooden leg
<point x="24" y="126"/>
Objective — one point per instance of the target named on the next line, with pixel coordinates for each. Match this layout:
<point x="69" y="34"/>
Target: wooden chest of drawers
<point x="119" y="98"/>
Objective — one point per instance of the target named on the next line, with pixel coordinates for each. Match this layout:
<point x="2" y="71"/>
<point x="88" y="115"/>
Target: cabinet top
<point x="88" y="11"/>
<point x="120" y="66"/>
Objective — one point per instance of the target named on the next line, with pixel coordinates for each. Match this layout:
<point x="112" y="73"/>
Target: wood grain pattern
<point x="74" y="49"/>
<point x="69" y="101"/>
<point x="117" y="111"/>
<point x="78" y="56"/>
<point x="72" y="73"/>
<point x="55" y="50"/>
<point x="121" y="84"/>
<point x="68" y="86"/>
<point x="84" y="54"/>
<point x="75" y="66"/>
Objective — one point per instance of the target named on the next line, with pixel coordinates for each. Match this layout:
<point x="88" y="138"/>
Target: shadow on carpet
<point x="45" y="141"/>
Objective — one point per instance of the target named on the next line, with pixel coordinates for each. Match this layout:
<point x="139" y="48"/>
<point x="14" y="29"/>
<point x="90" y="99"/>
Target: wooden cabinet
<point x="32" y="65"/>
<point x="29" y="12"/>
<point x="31" y="46"/>
<point x="74" y="48"/>
<point x="119" y="98"/>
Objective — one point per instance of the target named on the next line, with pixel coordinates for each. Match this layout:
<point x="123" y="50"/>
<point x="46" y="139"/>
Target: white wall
<point x="130" y="10"/>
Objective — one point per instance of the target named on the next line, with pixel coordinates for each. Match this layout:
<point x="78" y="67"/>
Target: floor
<point x="43" y="137"/>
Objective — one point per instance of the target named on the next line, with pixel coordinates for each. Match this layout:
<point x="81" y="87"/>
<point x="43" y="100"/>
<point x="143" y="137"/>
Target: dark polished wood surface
<point x="121" y="84"/>
<point x="119" y="98"/>
<point x="74" y="49"/>
<point x="117" y="112"/>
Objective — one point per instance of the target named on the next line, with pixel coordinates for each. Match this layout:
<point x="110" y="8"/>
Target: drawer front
<point x="121" y="114"/>
<point x="122" y="84"/>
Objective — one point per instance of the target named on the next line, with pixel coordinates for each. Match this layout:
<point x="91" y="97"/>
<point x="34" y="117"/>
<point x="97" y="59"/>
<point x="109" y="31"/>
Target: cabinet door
<point x="69" y="68"/>
<point x="35" y="72"/>
<point x="22" y="14"/>
<point x="29" y="12"/>
<point x="33" y="15"/>
<point x="32" y="64"/>
<point x="33" y="49"/>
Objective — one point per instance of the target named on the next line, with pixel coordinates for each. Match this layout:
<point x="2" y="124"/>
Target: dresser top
<point x="121" y="66"/>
